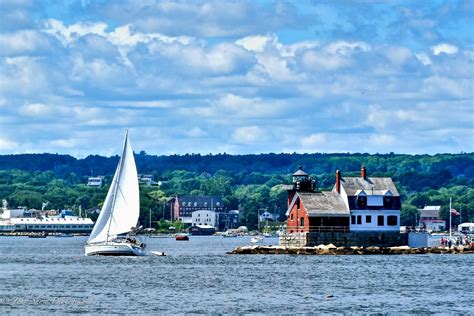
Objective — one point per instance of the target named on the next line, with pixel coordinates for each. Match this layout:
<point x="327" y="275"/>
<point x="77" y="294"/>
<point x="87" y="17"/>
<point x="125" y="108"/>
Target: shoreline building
<point x="184" y="206"/>
<point x="357" y="211"/>
<point x="20" y="220"/>
<point x="203" y="210"/>
<point x="430" y="219"/>
<point x="95" y="181"/>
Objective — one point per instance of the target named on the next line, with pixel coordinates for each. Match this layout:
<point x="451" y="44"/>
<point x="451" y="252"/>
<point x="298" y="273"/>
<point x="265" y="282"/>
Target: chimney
<point x="338" y="181"/>
<point x="363" y="172"/>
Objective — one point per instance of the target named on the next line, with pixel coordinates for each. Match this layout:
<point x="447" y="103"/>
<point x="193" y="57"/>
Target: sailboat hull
<point x="114" y="249"/>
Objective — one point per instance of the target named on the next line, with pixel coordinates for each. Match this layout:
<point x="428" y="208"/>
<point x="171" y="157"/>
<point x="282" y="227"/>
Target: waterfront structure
<point x="430" y="219"/>
<point x="147" y="179"/>
<point x="267" y="216"/>
<point x="95" y="181"/>
<point x="361" y="210"/>
<point x="205" y="217"/>
<point x="310" y="209"/>
<point x="11" y="221"/>
<point x="184" y="206"/>
<point x="374" y="202"/>
<point x="229" y="220"/>
<point x="202" y="230"/>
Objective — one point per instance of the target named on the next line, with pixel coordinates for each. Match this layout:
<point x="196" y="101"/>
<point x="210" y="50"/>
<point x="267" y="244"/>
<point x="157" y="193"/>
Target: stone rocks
<point x="333" y="250"/>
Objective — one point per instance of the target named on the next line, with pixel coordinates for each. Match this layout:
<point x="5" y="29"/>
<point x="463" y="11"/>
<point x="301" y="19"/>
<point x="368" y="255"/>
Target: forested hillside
<point x="251" y="181"/>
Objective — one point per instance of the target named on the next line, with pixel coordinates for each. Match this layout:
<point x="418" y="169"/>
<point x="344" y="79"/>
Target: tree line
<point x="246" y="182"/>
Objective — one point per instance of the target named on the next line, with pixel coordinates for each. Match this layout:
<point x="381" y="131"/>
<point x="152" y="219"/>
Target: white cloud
<point x="196" y="132"/>
<point x="248" y="135"/>
<point x="22" y="42"/>
<point x="313" y="140"/>
<point x="397" y="55"/>
<point x="444" y="48"/>
<point x="382" y="139"/>
<point x="7" y="145"/>
<point x="67" y="34"/>
<point x="243" y="91"/>
<point x="256" y="43"/>
<point x="35" y="109"/>
<point x="67" y="143"/>
<point x="424" y="59"/>
<point x="346" y="48"/>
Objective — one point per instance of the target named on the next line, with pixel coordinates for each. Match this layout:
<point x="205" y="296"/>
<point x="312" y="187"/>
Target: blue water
<point x="53" y="275"/>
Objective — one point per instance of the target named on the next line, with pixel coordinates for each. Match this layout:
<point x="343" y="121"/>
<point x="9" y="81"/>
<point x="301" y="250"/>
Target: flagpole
<point x="450" y="208"/>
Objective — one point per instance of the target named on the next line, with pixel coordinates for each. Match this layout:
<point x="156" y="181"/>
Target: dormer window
<point x="387" y="201"/>
<point x="362" y="201"/>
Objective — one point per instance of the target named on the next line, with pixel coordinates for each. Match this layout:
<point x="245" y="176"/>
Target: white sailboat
<point x="258" y="238"/>
<point x="119" y="214"/>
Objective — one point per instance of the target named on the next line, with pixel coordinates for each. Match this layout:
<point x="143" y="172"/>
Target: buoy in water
<point x="328" y="296"/>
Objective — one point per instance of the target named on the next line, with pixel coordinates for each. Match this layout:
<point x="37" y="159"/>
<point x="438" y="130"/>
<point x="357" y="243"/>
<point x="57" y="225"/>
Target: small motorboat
<point x="182" y="237"/>
<point x="256" y="239"/>
<point x="64" y="235"/>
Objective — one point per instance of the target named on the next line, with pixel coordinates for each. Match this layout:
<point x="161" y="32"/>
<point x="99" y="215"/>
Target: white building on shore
<point x="14" y="221"/>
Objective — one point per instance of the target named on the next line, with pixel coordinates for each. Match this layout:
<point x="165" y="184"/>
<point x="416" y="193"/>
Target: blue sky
<point x="236" y="76"/>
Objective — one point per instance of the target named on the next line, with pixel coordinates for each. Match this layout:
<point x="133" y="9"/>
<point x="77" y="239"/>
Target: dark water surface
<point x="53" y="275"/>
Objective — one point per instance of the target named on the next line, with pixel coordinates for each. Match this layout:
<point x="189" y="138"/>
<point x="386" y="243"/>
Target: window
<point x="362" y="201"/>
<point x="302" y="221"/>
<point x="368" y="219"/>
<point x="387" y="201"/>
<point x="195" y="204"/>
<point x="380" y="220"/>
<point x="291" y="216"/>
<point x="392" y="220"/>
<point x="353" y="219"/>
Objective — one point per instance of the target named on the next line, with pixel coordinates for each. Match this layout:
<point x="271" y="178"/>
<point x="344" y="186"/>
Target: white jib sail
<point x="122" y="205"/>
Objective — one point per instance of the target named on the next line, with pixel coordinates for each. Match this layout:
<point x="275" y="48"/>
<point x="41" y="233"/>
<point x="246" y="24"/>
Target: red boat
<point x="182" y="237"/>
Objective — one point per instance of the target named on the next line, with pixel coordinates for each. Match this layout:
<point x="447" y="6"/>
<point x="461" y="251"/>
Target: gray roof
<point x="325" y="203"/>
<point x="200" y="200"/>
<point x="299" y="173"/>
<point x="431" y="208"/>
<point x="429" y="213"/>
<point x="353" y="184"/>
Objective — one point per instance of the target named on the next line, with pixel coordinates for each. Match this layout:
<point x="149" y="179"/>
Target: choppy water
<point x="52" y="275"/>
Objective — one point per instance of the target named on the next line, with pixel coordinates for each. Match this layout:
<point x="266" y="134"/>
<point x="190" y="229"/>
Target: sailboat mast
<point x="119" y="169"/>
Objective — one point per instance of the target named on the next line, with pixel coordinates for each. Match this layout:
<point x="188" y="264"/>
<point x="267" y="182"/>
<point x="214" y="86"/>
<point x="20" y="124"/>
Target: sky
<point x="236" y="76"/>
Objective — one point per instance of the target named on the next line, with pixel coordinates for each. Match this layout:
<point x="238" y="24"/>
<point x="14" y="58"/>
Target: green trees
<point x="248" y="182"/>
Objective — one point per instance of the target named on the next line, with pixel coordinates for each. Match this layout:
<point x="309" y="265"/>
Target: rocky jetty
<point x="333" y="250"/>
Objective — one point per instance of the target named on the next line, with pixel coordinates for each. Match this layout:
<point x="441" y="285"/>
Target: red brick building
<point x="312" y="210"/>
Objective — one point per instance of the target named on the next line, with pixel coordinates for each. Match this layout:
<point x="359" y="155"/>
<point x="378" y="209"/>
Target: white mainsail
<point x="122" y="205"/>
